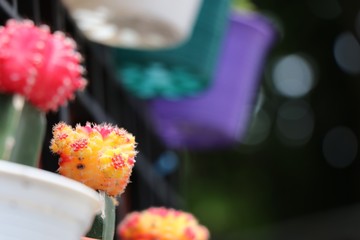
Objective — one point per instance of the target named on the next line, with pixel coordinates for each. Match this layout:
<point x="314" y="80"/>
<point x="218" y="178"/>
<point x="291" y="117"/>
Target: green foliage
<point x="243" y="5"/>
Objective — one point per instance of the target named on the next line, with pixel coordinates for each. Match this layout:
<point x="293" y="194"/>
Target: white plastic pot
<point x="40" y="205"/>
<point x="144" y="24"/>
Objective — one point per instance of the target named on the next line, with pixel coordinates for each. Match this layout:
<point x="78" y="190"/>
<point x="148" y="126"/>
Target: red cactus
<point x="43" y="67"/>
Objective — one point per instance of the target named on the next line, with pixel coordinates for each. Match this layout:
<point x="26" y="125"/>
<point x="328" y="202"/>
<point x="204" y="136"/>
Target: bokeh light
<point x="295" y="122"/>
<point x="293" y="76"/>
<point x="219" y="214"/>
<point x="340" y="147"/>
<point x="347" y="53"/>
<point x="167" y="163"/>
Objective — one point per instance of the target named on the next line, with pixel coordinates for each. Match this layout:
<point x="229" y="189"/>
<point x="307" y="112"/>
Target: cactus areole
<point x="42" y="66"/>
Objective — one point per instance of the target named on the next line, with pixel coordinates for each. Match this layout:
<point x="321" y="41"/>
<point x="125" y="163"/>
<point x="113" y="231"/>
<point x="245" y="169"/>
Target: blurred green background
<point x="300" y="159"/>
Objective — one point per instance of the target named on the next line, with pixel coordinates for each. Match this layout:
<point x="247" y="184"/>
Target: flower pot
<point x="40" y="205"/>
<point x="135" y="23"/>
<point x="218" y="117"/>
<point x="179" y="71"/>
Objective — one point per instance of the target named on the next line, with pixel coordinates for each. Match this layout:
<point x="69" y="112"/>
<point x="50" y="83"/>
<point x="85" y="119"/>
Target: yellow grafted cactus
<point x="100" y="156"/>
<point x="161" y="224"/>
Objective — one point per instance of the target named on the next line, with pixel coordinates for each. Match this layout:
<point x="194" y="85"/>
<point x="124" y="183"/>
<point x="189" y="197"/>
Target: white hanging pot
<point x="39" y="205"/>
<point x="143" y="24"/>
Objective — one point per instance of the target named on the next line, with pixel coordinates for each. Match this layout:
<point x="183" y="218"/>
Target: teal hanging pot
<point x="180" y="71"/>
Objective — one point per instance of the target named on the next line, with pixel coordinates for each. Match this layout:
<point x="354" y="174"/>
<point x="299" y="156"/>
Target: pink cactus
<point x="43" y="67"/>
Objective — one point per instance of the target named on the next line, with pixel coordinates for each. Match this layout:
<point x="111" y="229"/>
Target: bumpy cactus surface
<point x="100" y="156"/>
<point x="43" y="67"/>
<point x="161" y="224"/>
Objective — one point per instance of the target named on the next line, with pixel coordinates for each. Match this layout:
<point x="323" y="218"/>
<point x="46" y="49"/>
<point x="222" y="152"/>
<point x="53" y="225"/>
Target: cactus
<point x="39" y="71"/>
<point x="41" y="66"/>
<point x="100" y="156"/>
<point x="162" y="224"/>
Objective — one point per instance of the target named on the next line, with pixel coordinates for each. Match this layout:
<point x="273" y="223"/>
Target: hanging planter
<point x="219" y="116"/>
<point x="140" y="24"/>
<point x="40" y="205"/>
<point x="176" y="72"/>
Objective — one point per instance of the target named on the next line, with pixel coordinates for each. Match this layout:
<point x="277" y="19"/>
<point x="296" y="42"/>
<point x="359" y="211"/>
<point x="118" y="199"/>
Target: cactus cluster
<point x="39" y="72"/>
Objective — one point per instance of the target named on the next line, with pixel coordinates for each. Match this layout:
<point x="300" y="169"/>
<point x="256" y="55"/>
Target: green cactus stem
<point x="9" y="117"/>
<point x="104" y="224"/>
<point x="109" y="220"/>
<point x="22" y="130"/>
<point x="29" y="136"/>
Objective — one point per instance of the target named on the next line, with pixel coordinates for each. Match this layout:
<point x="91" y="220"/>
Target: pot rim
<point x="41" y="176"/>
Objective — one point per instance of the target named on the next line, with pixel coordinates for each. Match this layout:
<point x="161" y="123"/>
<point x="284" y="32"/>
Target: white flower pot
<point x="146" y="24"/>
<point x="39" y="205"/>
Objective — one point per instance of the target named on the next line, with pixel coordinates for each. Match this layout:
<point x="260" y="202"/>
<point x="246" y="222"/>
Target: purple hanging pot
<point x="219" y="117"/>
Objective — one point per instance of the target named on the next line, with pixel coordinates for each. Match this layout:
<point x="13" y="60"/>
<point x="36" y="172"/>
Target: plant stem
<point x="11" y="108"/>
<point x="109" y="220"/>
<point x="104" y="224"/>
<point x="29" y="136"/>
